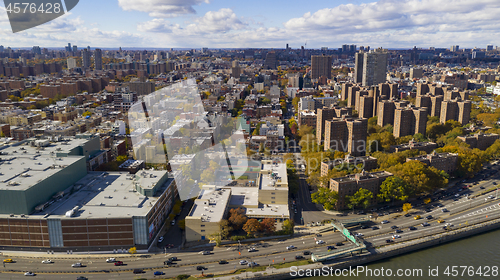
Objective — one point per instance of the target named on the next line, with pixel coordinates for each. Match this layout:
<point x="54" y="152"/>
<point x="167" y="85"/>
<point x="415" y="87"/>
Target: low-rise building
<point x="446" y="162"/>
<point x="479" y="140"/>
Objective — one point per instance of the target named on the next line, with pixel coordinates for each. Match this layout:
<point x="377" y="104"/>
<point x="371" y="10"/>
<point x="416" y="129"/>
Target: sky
<point x="153" y="24"/>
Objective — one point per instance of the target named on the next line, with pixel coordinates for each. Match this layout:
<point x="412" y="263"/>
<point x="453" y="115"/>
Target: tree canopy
<point x="325" y="197"/>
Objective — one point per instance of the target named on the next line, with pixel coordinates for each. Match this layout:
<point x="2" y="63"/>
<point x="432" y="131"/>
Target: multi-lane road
<point x="460" y="211"/>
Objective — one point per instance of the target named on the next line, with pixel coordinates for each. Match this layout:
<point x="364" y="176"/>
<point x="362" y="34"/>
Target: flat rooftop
<point x="362" y="176"/>
<point x="277" y="176"/>
<point x="211" y="204"/>
<point x="244" y="197"/>
<point x="102" y="195"/>
<point x="23" y="165"/>
<point x="269" y="211"/>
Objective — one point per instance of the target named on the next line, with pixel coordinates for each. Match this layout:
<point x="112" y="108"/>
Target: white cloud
<point x="161" y="8"/>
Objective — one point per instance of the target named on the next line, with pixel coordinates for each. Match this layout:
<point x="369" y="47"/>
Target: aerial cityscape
<point x="163" y="139"/>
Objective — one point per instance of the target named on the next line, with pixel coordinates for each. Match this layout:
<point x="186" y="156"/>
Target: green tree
<point x="325" y="197"/>
<point x="361" y="198"/>
<point x="225" y="228"/>
<point x="288" y="226"/>
<point x="394" y="188"/>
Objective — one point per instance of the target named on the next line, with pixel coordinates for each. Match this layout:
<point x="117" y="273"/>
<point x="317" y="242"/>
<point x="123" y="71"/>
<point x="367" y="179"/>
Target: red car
<point x="118" y="263"/>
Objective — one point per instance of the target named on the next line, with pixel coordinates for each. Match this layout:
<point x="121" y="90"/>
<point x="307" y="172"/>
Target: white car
<point x="29" y="273"/>
<point x="111" y="260"/>
<point x="243" y="262"/>
<point x="291" y="247"/>
<point x="252" y="250"/>
<point x="252" y="264"/>
<point x="320" y="242"/>
<point x="359" y="234"/>
<point x="396" y="236"/>
<point x="77" y="265"/>
<point x="160" y="240"/>
<point x="385" y="222"/>
<point x="47" y="261"/>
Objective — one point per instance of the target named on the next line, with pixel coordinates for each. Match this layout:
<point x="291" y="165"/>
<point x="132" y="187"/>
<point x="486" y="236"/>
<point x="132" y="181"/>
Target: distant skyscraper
<point x="98" y="59"/>
<point x="374" y="67"/>
<point x="86" y="59"/>
<point x="71" y="63"/>
<point x="321" y="65"/>
<point x="37" y="50"/>
<point x="75" y="48"/>
<point x="235" y="69"/>
<point x="358" y="67"/>
<point x="489" y="47"/>
<point x="270" y="62"/>
<point x="455" y="48"/>
<point x="68" y="48"/>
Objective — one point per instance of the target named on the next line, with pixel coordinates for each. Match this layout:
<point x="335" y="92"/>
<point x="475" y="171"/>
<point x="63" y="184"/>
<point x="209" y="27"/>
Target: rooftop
<point x="102" y="194"/>
<point x="363" y="176"/>
<point x="273" y="176"/>
<point x="211" y="204"/>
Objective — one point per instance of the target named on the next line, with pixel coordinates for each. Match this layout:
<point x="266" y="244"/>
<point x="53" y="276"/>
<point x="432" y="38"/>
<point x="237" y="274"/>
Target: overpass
<point x="358" y="245"/>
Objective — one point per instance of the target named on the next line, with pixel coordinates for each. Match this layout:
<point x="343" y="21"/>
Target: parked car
<point x="81" y="278"/>
<point x="160" y="240"/>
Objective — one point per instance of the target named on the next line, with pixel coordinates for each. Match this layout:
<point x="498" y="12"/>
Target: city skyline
<point x="222" y="24"/>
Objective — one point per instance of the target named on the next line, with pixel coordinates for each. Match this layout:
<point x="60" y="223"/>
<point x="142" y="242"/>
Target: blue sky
<point x="266" y="24"/>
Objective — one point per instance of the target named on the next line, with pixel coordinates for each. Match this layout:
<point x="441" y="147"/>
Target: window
<point x="273" y="197"/>
<point x="202" y="230"/>
<point x="273" y="202"/>
<point x="273" y="193"/>
<point x="202" y="225"/>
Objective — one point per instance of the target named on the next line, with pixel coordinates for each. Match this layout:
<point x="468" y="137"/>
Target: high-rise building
<point x="347" y="135"/>
<point x="322" y="115"/>
<point x="489" y="48"/>
<point x="455" y="110"/>
<point x="416" y="73"/>
<point x="374" y="67"/>
<point x="365" y="108"/>
<point x="71" y="63"/>
<point x="98" y="59"/>
<point x="75" y="49"/>
<point x="358" y="67"/>
<point x="68" y="47"/>
<point x="270" y="62"/>
<point x="351" y="96"/>
<point x="455" y="48"/>
<point x="385" y="114"/>
<point x="235" y="69"/>
<point x="86" y="59"/>
<point x="345" y="91"/>
<point x="436" y="105"/>
<point x="409" y="121"/>
<point x="321" y="66"/>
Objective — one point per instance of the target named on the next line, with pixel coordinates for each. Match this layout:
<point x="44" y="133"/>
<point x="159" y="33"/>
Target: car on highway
<point x="167" y="262"/>
<point x="320" y="242"/>
<point x="389" y="241"/>
<point x="412" y="228"/>
<point x="330" y="247"/>
<point x="158" y="273"/>
<point x="481" y="187"/>
<point x="444" y="210"/>
<point x="8" y="261"/>
<point x="118" y="263"/>
<point x="440" y="221"/>
<point x="385" y="222"/>
<point x="252" y="250"/>
<point x="201" y="267"/>
<point x="364" y="227"/>
<point x="375" y="227"/>
<point x="407" y="215"/>
<point x="395" y="236"/>
<point x="306" y="253"/>
<point x="429" y="217"/>
<point x="418" y="217"/>
<point x="299" y="257"/>
<point x="205" y="252"/>
<point x="425" y="224"/>
<point x="291" y="247"/>
<point x="339" y="243"/>
<point x="399" y="231"/>
<point x="243" y="262"/>
<point x="359" y="234"/>
<point x="47" y="261"/>
<point x="394" y="227"/>
<point x="81" y="278"/>
<point x="252" y="264"/>
<point x="77" y="265"/>
<point x="111" y="260"/>
<point x="29" y="273"/>
<point x="173" y="259"/>
<point x="318" y="235"/>
<point x="160" y="240"/>
<point x="138" y="271"/>
<point x="223" y="262"/>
